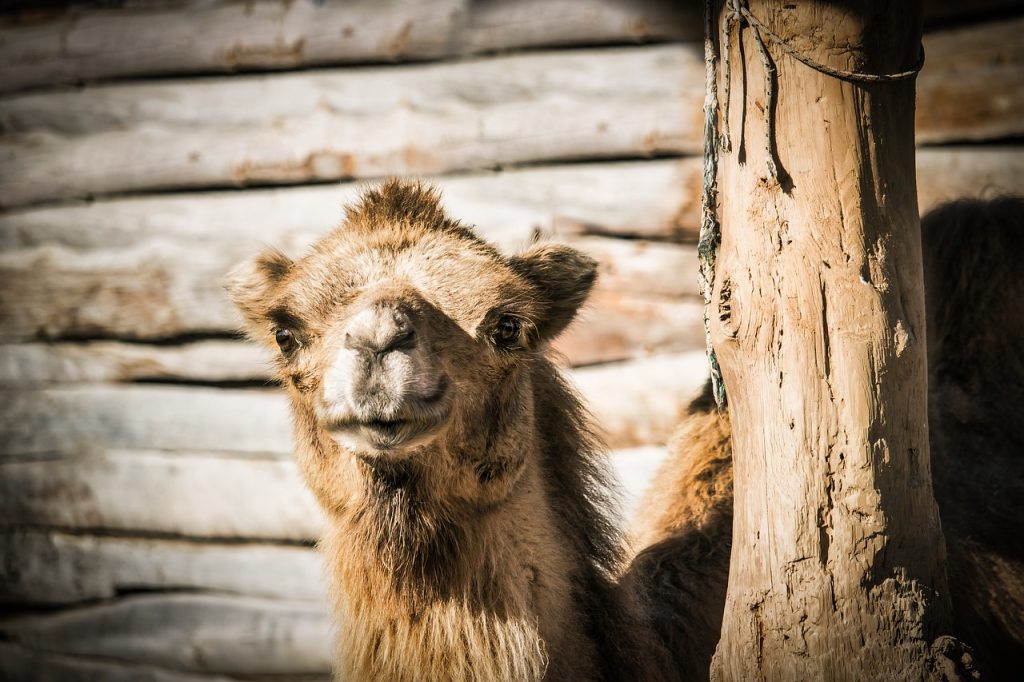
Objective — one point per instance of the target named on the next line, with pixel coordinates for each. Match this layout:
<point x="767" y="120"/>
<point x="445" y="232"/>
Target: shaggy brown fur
<point x="469" y="536"/>
<point x="974" y="280"/>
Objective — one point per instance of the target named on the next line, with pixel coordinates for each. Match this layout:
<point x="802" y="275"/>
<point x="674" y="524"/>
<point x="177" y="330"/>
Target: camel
<point x="974" y="288"/>
<point x="467" y="499"/>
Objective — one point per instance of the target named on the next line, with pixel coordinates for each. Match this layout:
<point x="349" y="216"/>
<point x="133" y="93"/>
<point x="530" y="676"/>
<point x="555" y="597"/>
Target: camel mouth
<point x="401" y="428"/>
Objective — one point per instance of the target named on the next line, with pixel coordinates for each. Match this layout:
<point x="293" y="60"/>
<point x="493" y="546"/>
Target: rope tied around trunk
<point x="737" y="13"/>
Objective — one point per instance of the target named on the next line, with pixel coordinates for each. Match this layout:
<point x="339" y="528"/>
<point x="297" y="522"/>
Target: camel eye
<point x="286" y="340"/>
<point x="508" y="332"/>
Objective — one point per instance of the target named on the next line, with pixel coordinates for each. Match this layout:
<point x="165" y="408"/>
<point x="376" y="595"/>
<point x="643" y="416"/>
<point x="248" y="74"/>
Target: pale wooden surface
<point x="613" y="327"/>
<point x="153" y="267"/>
<point x="658" y="199"/>
<point x="263" y="611"/>
<point x="189" y="36"/>
<point x="432" y="118"/>
<point x="195" y="633"/>
<point x="19" y="662"/>
<point x="183" y="36"/>
<point x="162" y="288"/>
<point x="635" y="402"/>
<point x="351" y="123"/>
<point x="56" y="567"/>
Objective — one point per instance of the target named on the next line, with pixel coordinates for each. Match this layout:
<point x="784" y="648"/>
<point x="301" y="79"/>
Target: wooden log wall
<point x="152" y="525"/>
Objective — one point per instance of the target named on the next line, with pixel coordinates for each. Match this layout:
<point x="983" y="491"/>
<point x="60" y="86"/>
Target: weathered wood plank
<point x="367" y="122"/>
<point x="635" y="402"/>
<point x="83" y="44"/>
<point x="164" y="289"/>
<point x="31" y="364"/>
<point x="79" y="44"/>
<point x="23" y="664"/>
<point x="191" y="496"/>
<point x="634" y="468"/>
<point x="972" y="86"/>
<point x="179" y="494"/>
<point x="98" y="418"/>
<point x="954" y="172"/>
<point x="353" y="123"/>
<point x="613" y="327"/>
<point x="59" y="568"/>
<point x="193" y="633"/>
<point x="656" y="199"/>
<point x="160" y="276"/>
<point x="640" y="402"/>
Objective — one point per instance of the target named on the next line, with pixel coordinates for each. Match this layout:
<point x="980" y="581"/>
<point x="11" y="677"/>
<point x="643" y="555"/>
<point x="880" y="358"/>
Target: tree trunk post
<point x="817" y="319"/>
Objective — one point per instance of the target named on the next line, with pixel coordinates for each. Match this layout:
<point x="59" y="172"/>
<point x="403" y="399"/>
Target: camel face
<point x="402" y="328"/>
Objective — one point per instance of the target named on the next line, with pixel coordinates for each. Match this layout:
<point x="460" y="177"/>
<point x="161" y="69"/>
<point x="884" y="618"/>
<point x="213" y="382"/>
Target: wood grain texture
<point x="187" y="632"/>
<point x="89" y="43"/>
<point x="53" y="567"/>
<point x="180" y="494"/>
<point x="20" y="663"/>
<point x="658" y="199"/>
<point x="972" y="86"/>
<point x="82" y="44"/>
<point x="635" y="402"/>
<point x="837" y="568"/>
<point x="612" y="328"/>
<point x="163" y="288"/>
<point x="366" y="122"/>
<point x="152" y="267"/>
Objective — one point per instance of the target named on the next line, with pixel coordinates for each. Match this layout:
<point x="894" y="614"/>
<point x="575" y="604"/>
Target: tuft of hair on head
<point x="974" y="287"/>
<point x="563" y="278"/>
<point x="396" y="201"/>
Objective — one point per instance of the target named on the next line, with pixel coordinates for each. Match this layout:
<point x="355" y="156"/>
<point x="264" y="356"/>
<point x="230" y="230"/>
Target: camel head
<point x="403" y="337"/>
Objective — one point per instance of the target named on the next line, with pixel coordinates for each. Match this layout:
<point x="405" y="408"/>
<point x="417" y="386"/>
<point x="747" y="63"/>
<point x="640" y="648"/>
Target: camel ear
<point x="564" y="278"/>
<point x="252" y="284"/>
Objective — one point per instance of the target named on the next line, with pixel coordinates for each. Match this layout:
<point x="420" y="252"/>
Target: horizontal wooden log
<point x="89" y="43"/>
<point x="636" y="403"/>
<point x="649" y="198"/>
<point x="53" y="568"/>
<point x="191" y="496"/>
<point x="429" y="119"/>
<point x="31" y="364"/>
<point x="354" y="123"/>
<point x="972" y="86"/>
<point x="954" y="172"/>
<point x="23" y="664"/>
<point x="640" y="402"/>
<point x="181" y="494"/>
<point x="164" y="289"/>
<point x="612" y="327"/>
<point x="97" y="418"/>
<point x="84" y="44"/>
<point x="57" y="568"/>
<point x="152" y="267"/>
<point x="195" y="633"/>
<point x="654" y="199"/>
